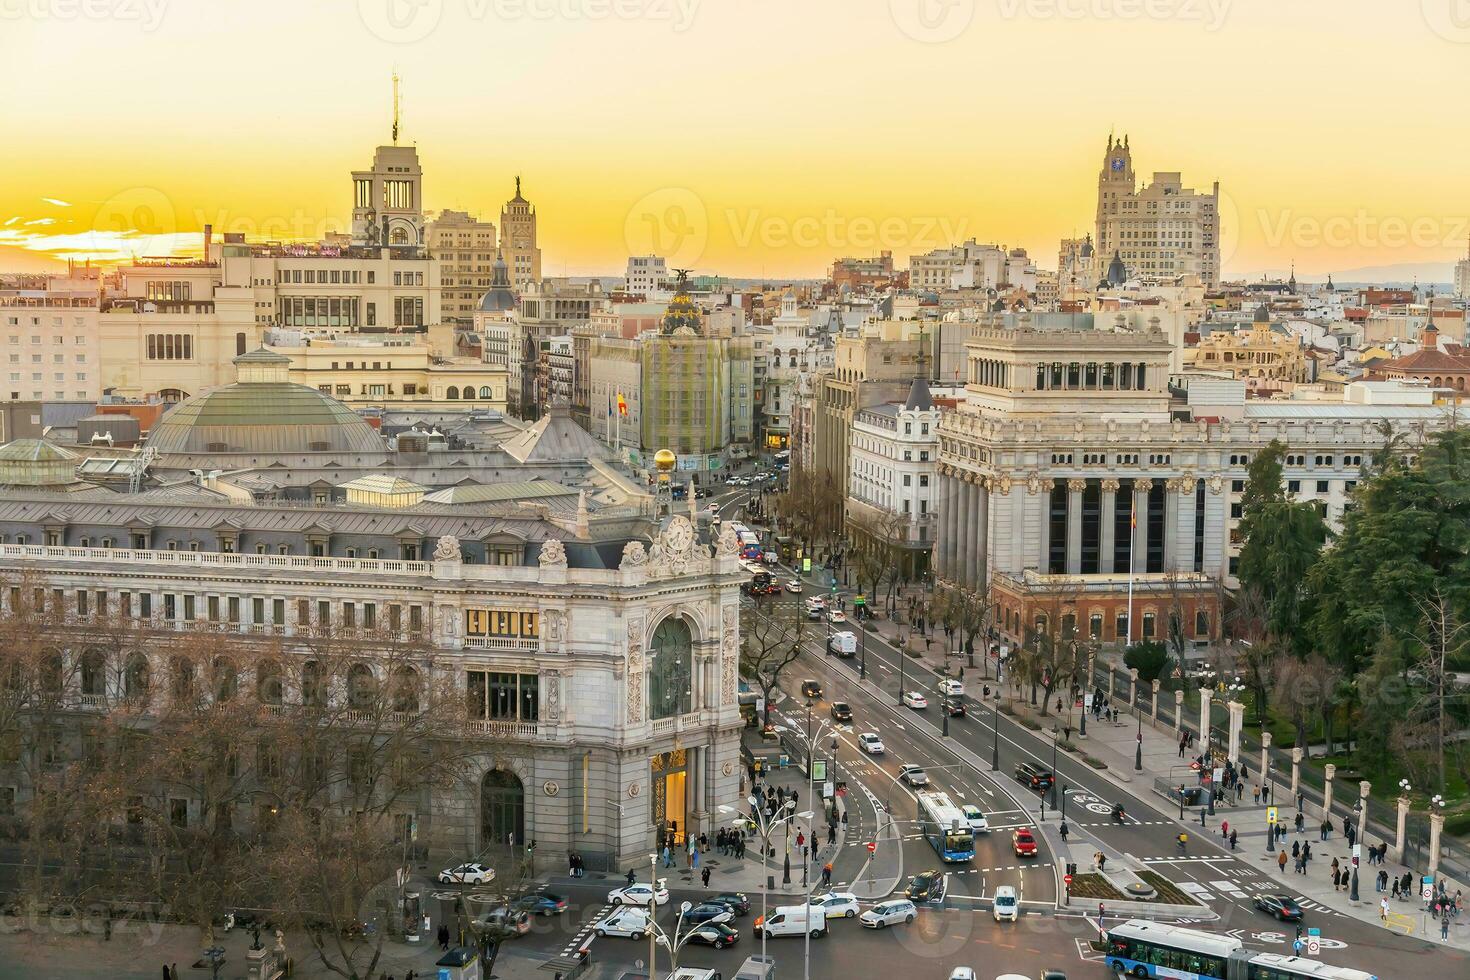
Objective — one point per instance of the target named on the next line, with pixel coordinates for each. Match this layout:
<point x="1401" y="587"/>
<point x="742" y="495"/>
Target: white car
<point x="870" y="743"/>
<point x="630" y="923"/>
<point x="468" y="874"/>
<point x="713" y="507"/>
<point x="837" y="905"/>
<point x="915" y="699"/>
<point x="975" y="817"/>
<point x="913" y="775"/>
<point x="950" y="688"/>
<point x="793" y="585"/>
<point x="1005" y="906"/>
<point x="962" y="973"/>
<point x="836" y="616"/>
<point x="638" y="894"/>
<point x="888" y="913"/>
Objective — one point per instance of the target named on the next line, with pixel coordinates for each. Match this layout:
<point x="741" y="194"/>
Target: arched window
<point x="362" y="687"/>
<point x="670" y="670"/>
<point x="406" y="689"/>
<point x="226" y="681"/>
<point x="452" y="394"/>
<point x="485" y="392"/>
<point x="313" y="687"/>
<point x="469" y="393"/>
<point x="502" y="809"/>
<point x="268" y="686"/>
<point x="135" y="678"/>
<point x="94" y="674"/>
<point x="399" y="236"/>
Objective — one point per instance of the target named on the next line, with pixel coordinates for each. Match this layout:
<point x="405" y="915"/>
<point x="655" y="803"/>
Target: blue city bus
<point x="946" y="828"/>
<point x="1140" y="948"/>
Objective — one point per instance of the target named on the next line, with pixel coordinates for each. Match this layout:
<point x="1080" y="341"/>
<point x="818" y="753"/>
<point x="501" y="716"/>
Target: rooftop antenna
<point x="395" y="108"/>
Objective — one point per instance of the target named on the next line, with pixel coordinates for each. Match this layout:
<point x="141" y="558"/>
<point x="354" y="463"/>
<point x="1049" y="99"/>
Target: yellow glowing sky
<point x="748" y="137"/>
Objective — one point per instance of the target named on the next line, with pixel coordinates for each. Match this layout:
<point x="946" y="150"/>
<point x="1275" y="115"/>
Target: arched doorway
<point x="502" y="809"/>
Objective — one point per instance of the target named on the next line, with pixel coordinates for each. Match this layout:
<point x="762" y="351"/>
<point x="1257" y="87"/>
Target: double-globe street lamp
<point x="765" y="826"/>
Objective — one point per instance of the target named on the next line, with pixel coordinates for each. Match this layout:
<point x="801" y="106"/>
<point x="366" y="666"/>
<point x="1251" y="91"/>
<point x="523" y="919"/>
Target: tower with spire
<point x="518" y="241"/>
<point x="388" y="199"/>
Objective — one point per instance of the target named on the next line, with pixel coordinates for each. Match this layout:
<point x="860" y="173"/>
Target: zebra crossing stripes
<point x="584" y="934"/>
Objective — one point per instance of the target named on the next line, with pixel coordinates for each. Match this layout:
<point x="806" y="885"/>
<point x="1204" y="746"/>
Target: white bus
<point x="946" y="827"/>
<point x="1151" y="949"/>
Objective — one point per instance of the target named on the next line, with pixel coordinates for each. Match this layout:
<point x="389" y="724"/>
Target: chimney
<point x="208" y="240"/>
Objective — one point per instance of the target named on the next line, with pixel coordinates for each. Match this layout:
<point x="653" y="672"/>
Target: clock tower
<point x="518" y="241"/>
<point x="1115" y="184"/>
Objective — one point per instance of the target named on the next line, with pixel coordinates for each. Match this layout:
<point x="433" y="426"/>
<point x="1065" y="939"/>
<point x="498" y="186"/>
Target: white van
<point x="793" y="920"/>
<point x="843" y="644"/>
<point x="950" y="688"/>
<point x="629" y="922"/>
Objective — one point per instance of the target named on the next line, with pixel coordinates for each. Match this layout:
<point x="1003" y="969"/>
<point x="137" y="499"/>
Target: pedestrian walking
<point x="165" y="971"/>
<point x="173" y="971"/>
<point x="1444" y="927"/>
<point x="571" y="864"/>
<point x="831" y="834"/>
<point x="704" y="843"/>
<point x="704" y="877"/>
<point x="1256" y="794"/>
<point x="1306" y="852"/>
<point x="694" y="854"/>
<point x="827" y="874"/>
<point x="1326" y="828"/>
<point x="443" y="936"/>
<point x="1395" y="889"/>
<point x="1381" y="882"/>
<point x="1281" y="861"/>
<point x="1383" y="909"/>
<point x="1202" y="812"/>
<point x="631" y="877"/>
<point x="1232" y="840"/>
<point x="1296" y="848"/>
<point x="1336" y="879"/>
<point x="1224" y="828"/>
<point x="1299" y="822"/>
<point x="1063" y="831"/>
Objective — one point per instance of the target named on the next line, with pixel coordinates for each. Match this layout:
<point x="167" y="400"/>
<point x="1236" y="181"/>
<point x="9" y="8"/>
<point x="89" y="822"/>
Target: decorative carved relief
<point x="634" y="555"/>
<point x="1003" y="483"/>
<point x="1109" y="485"/>
<point x="1143" y="486"/>
<point x="730" y="652"/>
<point x="729" y="542"/>
<point x="635" y="671"/>
<point x="553" y="554"/>
<point x="1076" y="485"/>
<point x="1216" y="483"/>
<point x="1033" y="483"/>
<point x="553" y="695"/>
<point x="447" y="550"/>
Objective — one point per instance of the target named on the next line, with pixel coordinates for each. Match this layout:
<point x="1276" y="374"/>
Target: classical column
<point x="1364" y="788"/>
<point x="1216" y="518"/>
<point x="982" y="532"/>
<point x="1138" y="557"/>
<point x="1327" y="792"/>
<point x="1237" y="717"/>
<point x="972" y="527"/>
<point x="946" y="510"/>
<point x="962" y="526"/>
<point x="1265" y="761"/>
<point x="1398" y="840"/>
<point x="1178" y="712"/>
<point x="1296" y="772"/>
<point x="1042" y="489"/>
<point x="1204" y="715"/>
<point x="1108" y="518"/>
<point x="952" y="533"/>
<point x="1171" y="523"/>
<point x="1155" y="720"/>
<point x="1436" y="828"/>
<point x="1075" y="487"/>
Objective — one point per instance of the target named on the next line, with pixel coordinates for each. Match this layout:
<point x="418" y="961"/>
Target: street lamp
<point x="1055" y="734"/>
<point x="995" y="745"/>
<point x="216" y="956"/>
<point x="765" y="827"/>
<point x="1138" y="744"/>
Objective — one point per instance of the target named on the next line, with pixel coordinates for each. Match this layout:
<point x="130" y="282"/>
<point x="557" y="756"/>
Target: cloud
<point x="59" y="204"/>
<point x="41" y="221"/>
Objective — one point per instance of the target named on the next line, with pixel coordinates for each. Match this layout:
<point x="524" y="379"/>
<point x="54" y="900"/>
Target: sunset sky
<point x="748" y="137"/>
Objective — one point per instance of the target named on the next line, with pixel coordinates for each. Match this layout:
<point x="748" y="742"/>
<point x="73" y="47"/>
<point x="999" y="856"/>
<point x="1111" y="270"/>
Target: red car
<point x="1023" y="844"/>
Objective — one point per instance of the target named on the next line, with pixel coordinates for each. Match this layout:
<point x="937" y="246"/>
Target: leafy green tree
<point x="1150" y="658"/>
<point x="1282" y="541"/>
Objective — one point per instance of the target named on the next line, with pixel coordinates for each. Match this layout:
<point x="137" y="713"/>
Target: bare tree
<point x="771" y="643"/>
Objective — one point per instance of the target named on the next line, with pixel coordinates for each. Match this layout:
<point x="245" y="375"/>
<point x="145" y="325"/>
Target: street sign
<point x="806" y="564"/>
<point x="819" y="770"/>
<point x="1426" y="887"/>
<point x="1357" y="854"/>
<point x="827" y="789"/>
<point x="1270" y="816"/>
<point x="1219" y="775"/>
<point x="1068" y="880"/>
<point x="1087" y="701"/>
<point x="872" y="847"/>
<point x="1314" y="942"/>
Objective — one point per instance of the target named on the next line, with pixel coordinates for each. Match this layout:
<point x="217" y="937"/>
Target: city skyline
<point x="759" y="185"/>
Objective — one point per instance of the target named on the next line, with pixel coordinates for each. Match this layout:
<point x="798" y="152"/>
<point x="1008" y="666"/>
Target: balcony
<point x="518" y="644"/>
<point x="525" y="730"/>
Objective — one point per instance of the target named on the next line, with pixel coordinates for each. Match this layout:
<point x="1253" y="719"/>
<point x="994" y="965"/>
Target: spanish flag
<point x="622" y="405"/>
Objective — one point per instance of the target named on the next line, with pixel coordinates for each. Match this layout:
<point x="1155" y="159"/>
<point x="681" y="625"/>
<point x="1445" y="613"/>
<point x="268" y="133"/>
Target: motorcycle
<point x="1119" y="816"/>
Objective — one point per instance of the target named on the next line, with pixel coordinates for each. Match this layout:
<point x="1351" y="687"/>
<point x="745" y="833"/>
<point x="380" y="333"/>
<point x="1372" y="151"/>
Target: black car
<point x="811" y="689"/>
<point x="704" y="913"/>
<point x="926" y="886"/>
<point x="715" y="934"/>
<point x="1280" y="906"/>
<point x="954" y="707"/>
<point x="1033" y="776"/>
<point x="738" y="901"/>
<point x="841" y="711"/>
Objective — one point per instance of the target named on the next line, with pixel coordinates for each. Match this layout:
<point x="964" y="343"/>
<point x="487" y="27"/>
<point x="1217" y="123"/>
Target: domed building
<point x="500" y="299"/>
<point x="36" y="463"/>
<point x="263" y="412"/>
